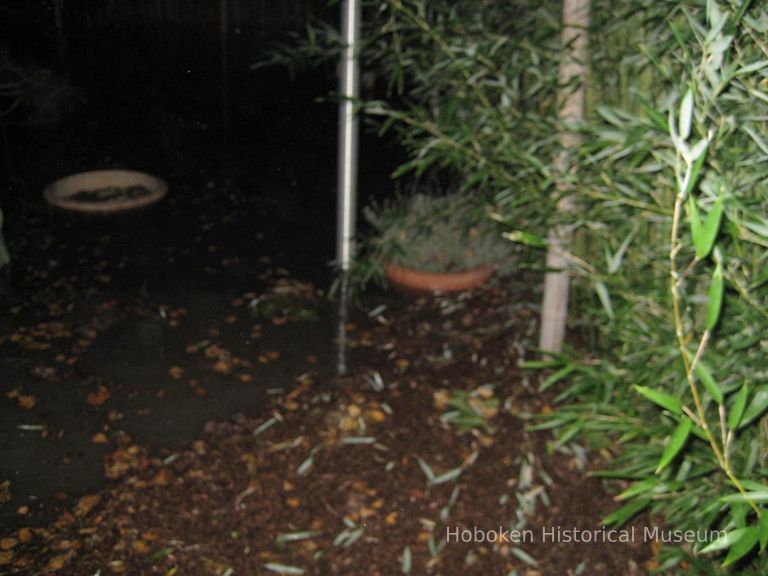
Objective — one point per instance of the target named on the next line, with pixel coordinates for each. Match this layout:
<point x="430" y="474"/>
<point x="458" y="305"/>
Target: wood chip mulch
<point x="367" y="474"/>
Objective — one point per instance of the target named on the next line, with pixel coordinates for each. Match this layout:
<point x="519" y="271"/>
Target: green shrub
<point x="446" y="233"/>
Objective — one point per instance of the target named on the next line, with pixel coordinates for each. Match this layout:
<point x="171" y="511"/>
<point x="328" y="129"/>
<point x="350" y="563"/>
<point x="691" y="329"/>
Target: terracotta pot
<point x="62" y="192"/>
<point x="410" y="280"/>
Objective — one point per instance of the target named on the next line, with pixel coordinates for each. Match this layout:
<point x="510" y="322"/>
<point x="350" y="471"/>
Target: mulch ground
<point x="367" y="474"/>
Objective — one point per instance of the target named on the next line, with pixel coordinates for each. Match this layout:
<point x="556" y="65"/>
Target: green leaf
<point x="526" y="238"/>
<point x="626" y="512"/>
<point x="605" y="297"/>
<point x="663" y="399"/>
<point x="695" y="173"/>
<point x="715" y="301"/>
<point x="557" y="376"/>
<point x="709" y="230"/>
<point x="639" y="487"/>
<point x="539" y="364"/>
<point x="725" y="541"/>
<point x="756" y="408"/>
<point x="686" y="115"/>
<point x="737" y="410"/>
<point x="614" y="262"/>
<point x="742" y="546"/>
<point x="693" y="215"/>
<point x="657" y="118"/>
<point x="708" y="381"/>
<point x="762" y="529"/>
<point x="748" y="497"/>
<point x="676" y="443"/>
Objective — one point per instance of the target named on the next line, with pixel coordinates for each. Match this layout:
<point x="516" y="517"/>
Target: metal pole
<point x="349" y="89"/>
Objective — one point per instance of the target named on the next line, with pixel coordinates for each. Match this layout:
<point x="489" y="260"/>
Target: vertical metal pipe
<point x="349" y="89"/>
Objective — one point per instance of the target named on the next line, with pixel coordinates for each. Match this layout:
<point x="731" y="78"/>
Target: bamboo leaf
<point x="657" y="118"/>
<point x="715" y="301"/>
<point x="605" y="297"/>
<point x="708" y="381"/>
<point x="406" y="562"/>
<point x="427" y="469"/>
<point x="626" y="512"/>
<point x="614" y="262"/>
<point x="686" y="115"/>
<point x="754" y="67"/>
<point x="447" y="476"/>
<point x="283" y="569"/>
<point x="737" y="410"/>
<point x="525" y="238"/>
<point x="742" y="546"/>
<point x="755" y="408"/>
<point x="676" y="443"/>
<point x="524" y="556"/>
<point x="693" y="216"/>
<point x="695" y="172"/>
<point x="725" y="541"/>
<point x="663" y="399"/>
<point x="557" y="376"/>
<point x="709" y="230"/>
<point x="747" y="497"/>
<point x="639" y="487"/>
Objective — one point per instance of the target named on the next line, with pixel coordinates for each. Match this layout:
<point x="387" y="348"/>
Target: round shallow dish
<point x="102" y="191"/>
<point x="409" y="280"/>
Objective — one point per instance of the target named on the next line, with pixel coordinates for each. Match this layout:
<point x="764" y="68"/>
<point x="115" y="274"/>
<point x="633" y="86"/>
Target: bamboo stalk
<point x="573" y="67"/>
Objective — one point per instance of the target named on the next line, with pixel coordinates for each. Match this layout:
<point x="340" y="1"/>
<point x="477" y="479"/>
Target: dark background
<point x="166" y="86"/>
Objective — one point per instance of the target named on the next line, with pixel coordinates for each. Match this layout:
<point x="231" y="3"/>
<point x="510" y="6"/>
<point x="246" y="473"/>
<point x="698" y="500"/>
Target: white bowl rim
<point x="59" y="193"/>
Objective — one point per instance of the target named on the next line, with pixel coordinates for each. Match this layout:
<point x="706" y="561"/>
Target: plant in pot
<point x="430" y="243"/>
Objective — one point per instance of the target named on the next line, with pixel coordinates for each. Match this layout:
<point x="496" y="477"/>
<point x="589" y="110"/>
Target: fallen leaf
<point x="99" y="438"/>
<point x="57" y="562"/>
<point x="176" y="372"/>
<point x="293" y="502"/>
<point x="441" y="398"/>
<point x="98" y="397"/>
<point x="25" y="534"/>
<point x="222" y="367"/>
<point x="86" y="504"/>
<point x="377" y="415"/>
<point x="8" y="543"/>
<point x="353" y="411"/>
<point x="162" y="478"/>
<point x="26" y="401"/>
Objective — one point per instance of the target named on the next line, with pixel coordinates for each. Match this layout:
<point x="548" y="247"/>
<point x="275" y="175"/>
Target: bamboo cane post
<point x="572" y="75"/>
